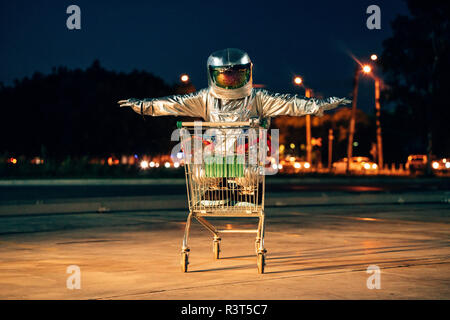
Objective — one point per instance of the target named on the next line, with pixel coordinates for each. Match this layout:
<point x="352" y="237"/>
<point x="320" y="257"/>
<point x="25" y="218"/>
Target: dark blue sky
<point x="167" y="38"/>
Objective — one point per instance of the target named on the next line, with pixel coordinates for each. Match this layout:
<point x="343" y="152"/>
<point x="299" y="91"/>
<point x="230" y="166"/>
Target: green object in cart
<point x="224" y="167"/>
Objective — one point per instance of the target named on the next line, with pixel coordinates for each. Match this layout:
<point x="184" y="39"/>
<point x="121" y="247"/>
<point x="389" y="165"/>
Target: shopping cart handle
<point x="262" y="123"/>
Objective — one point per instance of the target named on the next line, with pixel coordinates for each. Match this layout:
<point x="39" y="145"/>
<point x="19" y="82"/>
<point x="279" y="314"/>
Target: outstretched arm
<point x="192" y="105"/>
<point x="276" y="104"/>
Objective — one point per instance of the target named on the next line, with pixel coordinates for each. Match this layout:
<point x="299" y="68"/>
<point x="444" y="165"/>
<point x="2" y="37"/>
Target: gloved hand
<point x="330" y="104"/>
<point x="335" y="102"/>
<point x="135" y="104"/>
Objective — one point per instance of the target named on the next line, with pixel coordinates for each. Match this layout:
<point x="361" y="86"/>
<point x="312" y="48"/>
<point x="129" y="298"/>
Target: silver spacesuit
<point x="230" y="96"/>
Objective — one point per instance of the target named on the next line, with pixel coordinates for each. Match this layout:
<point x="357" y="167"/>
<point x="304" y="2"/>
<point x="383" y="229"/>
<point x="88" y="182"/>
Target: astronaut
<point x="231" y="97"/>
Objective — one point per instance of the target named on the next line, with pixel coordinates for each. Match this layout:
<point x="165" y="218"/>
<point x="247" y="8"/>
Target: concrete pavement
<point x="319" y="247"/>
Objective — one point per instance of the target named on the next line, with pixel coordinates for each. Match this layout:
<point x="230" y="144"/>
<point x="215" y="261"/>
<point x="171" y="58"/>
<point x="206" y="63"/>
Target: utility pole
<point x="330" y="147"/>
<point x="352" y="119"/>
<point x="308" y="130"/>
<point x="378" y="123"/>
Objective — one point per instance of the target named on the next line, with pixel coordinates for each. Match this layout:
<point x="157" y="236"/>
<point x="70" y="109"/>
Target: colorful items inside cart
<point x="224" y="178"/>
<point x="223" y="152"/>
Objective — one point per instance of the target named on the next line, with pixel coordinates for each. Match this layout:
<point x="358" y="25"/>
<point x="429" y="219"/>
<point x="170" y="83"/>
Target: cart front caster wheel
<point x="216" y="249"/>
<point x="256" y="246"/>
<point x="261" y="262"/>
<point x="184" y="261"/>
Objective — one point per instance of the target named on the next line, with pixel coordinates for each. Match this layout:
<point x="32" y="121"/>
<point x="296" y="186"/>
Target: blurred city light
<point x="112" y="161"/>
<point x="373" y="57"/>
<point x="298" y="80"/>
<point x="37" y="161"/>
<point x="184" y="78"/>
<point x="144" y="164"/>
<point x="307" y="165"/>
<point x="167" y="164"/>
<point x="366" y="68"/>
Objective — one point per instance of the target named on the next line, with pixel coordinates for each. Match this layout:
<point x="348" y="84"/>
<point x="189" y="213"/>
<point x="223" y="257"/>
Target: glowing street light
<point x="184" y="78"/>
<point x="366" y="68"/>
<point x="373" y="57"/>
<point x="298" y="80"/>
<point x="144" y="164"/>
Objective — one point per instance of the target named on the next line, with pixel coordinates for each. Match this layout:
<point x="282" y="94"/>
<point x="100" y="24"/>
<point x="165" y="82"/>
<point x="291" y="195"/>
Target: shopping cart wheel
<point x="184" y="261"/>
<point x="261" y="262"/>
<point x="216" y="249"/>
<point x="256" y="246"/>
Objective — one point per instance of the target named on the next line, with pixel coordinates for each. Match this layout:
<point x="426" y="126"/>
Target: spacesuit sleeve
<point x="276" y="104"/>
<point x="191" y="105"/>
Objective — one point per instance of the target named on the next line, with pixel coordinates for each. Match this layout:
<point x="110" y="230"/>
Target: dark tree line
<point x="75" y="113"/>
<point x="416" y="65"/>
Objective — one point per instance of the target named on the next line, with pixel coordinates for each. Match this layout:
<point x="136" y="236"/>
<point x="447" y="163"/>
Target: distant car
<point x="442" y="165"/>
<point x="357" y="164"/>
<point x="416" y="162"/>
<point x="294" y="165"/>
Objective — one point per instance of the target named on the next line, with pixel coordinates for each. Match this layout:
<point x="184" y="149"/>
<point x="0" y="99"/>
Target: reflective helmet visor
<point x="231" y="77"/>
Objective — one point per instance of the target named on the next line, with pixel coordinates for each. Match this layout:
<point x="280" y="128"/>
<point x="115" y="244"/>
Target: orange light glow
<point x="374" y="57"/>
<point x="366" y="219"/>
<point x="298" y="80"/>
<point x="184" y="78"/>
<point x="367" y="69"/>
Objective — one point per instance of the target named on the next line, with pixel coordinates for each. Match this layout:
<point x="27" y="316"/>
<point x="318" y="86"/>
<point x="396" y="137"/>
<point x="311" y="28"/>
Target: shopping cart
<point x="224" y="165"/>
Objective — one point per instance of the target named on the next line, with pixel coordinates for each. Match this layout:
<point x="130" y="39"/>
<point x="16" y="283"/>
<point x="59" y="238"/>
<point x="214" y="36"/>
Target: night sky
<point x="313" y="39"/>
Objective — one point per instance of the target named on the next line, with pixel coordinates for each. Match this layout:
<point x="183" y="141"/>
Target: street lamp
<point x="184" y="78"/>
<point x="299" y="82"/>
<point x="184" y="86"/>
<point x="366" y="69"/>
<point x="374" y="57"/>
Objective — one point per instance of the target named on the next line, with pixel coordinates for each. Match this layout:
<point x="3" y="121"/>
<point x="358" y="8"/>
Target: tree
<point x="75" y="113"/>
<point x="416" y="64"/>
